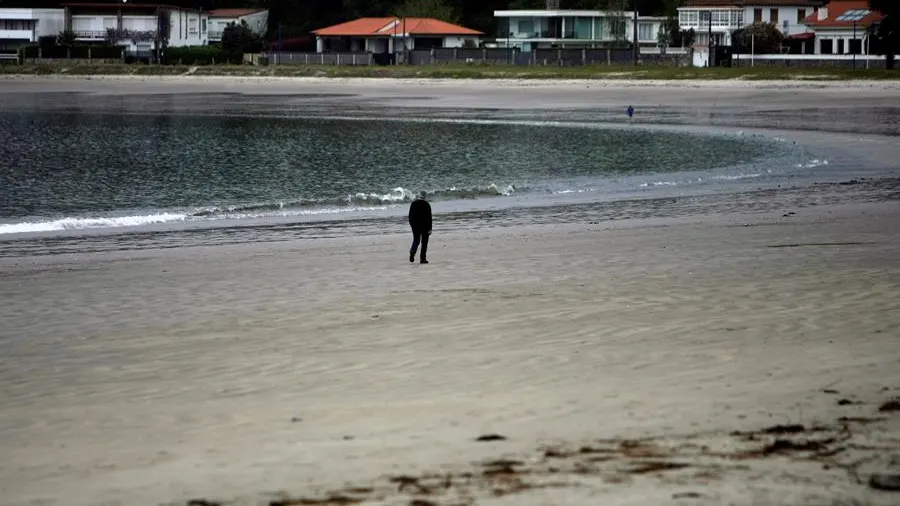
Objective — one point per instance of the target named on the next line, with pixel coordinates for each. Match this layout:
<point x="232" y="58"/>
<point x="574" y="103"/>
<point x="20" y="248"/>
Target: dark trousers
<point x="419" y="236"/>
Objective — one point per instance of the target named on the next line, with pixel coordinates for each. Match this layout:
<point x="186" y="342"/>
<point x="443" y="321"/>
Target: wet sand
<point x="624" y="362"/>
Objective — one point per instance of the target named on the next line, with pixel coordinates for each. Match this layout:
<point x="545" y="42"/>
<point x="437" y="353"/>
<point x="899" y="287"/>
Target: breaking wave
<point x="360" y="201"/>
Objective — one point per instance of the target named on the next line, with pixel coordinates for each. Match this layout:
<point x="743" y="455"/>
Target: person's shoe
<point x="412" y="257"/>
<point x="424" y="261"/>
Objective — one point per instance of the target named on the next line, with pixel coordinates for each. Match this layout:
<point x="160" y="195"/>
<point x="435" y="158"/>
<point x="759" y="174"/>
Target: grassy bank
<point x="454" y="71"/>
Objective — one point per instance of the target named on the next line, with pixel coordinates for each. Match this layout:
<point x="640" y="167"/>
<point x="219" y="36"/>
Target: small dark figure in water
<point x="629" y="112"/>
<point x="420" y="222"/>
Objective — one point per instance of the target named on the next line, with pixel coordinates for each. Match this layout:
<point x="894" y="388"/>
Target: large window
<point x="601" y="29"/>
<point x="757" y="15"/>
<point x="688" y="18"/>
<point x="583" y="28"/>
<point x="569" y="28"/>
<point x="646" y="32"/>
<point x="15" y="24"/>
<point x="720" y="17"/>
<point x="526" y="28"/>
<point x="827" y="46"/>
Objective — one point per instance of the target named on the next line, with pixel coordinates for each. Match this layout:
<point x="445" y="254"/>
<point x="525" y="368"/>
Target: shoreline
<point x="726" y="83"/>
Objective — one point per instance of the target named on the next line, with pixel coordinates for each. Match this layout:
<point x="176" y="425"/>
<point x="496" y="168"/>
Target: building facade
<point x="842" y="27"/>
<point x="256" y="19"/>
<point x="393" y="35"/>
<point x="19" y="27"/>
<point x="539" y="29"/>
<point x="138" y="27"/>
<point x="721" y="18"/>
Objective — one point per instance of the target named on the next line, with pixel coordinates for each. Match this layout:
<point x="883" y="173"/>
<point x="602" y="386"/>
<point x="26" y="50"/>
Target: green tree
<point x="238" y="39"/>
<point x="66" y="38"/>
<point x="762" y="37"/>
<point x="887" y="36"/>
<point x="437" y="9"/>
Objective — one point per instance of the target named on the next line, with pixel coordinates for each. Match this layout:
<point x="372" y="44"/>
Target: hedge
<point x="199" y="55"/>
<point x="76" y="52"/>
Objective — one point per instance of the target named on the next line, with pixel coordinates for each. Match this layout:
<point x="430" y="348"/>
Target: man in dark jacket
<point x="420" y="222"/>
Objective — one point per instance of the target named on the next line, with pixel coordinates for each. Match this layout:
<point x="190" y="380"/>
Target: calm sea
<point x="115" y="178"/>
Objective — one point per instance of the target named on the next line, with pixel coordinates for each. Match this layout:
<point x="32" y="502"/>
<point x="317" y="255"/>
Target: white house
<point x="724" y="17"/>
<point x="546" y="28"/>
<point x="137" y="26"/>
<point x="392" y="34"/>
<point x="19" y="27"/>
<point x="841" y="27"/>
<point x="256" y="19"/>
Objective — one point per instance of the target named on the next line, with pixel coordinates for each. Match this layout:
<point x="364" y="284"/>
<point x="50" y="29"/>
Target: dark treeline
<point x="298" y="17"/>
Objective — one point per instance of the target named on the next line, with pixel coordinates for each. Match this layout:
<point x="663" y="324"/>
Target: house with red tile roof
<point x="394" y="34"/>
<point x="715" y="21"/>
<point x="722" y="18"/>
<point x="842" y="27"/>
<point x="256" y="19"/>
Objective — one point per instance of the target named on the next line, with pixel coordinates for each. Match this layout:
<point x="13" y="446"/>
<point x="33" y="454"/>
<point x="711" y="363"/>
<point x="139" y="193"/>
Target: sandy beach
<point x="730" y="358"/>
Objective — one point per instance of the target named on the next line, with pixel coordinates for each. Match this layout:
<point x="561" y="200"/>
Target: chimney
<point x="823" y="13"/>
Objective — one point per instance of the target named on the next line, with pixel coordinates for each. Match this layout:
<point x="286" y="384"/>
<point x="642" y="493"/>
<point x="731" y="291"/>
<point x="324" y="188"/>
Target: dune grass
<point x="459" y="71"/>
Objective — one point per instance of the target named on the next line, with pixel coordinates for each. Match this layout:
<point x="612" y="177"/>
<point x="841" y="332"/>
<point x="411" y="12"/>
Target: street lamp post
<point x="707" y="16"/>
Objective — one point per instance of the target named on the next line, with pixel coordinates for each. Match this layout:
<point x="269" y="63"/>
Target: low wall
<point x="320" y="58"/>
<point x="809" y="60"/>
<point x="71" y="61"/>
<point x="494" y="56"/>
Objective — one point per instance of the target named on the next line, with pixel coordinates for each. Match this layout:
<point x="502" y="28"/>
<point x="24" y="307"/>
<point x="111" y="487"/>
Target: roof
<point x="369" y="27"/>
<point x="753" y="3"/>
<point x="557" y="13"/>
<point x="844" y="14"/>
<point x="125" y="5"/>
<point x="232" y="13"/>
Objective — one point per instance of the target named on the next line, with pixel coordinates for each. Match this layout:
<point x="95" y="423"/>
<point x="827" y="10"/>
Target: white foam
<point x="398" y="194"/>
<point x="84" y="223"/>
<point x="736" y="177"/>
<point x="659" y="183"/>
<point x="812" y="164"/>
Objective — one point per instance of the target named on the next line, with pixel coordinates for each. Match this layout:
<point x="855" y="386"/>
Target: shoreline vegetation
<point x="463" y="71"/>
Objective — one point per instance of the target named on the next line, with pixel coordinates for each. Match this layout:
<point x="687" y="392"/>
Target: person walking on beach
<point x="420" y="223"/>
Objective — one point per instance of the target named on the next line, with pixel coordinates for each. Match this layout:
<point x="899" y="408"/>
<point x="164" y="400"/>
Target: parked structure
<point x="392" y="35"/>
<point x="842" y="27"/>
<point x="19" y="27"/>
<point x="139" y="27"/>
<point x="573" y="29"/>
<point x="256" y="19"/>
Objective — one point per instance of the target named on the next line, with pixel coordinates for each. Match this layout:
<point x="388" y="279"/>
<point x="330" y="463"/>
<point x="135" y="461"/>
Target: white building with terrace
<point x="722" y="18"/>
<point x="19" y="27"/>
<point x="139" y="27"/>
<point x="554" y="28"/>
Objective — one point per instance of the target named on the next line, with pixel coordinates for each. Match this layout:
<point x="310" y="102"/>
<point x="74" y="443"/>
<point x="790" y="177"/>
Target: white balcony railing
<point x="16" y="34"/>
<point x="125" y="35"/>
<point x="90" y="34"/>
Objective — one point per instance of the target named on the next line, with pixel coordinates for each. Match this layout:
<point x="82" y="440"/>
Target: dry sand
<point x="617" y="359"/>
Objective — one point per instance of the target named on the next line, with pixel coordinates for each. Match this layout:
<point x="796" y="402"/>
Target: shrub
<point x="195" y="55"/>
